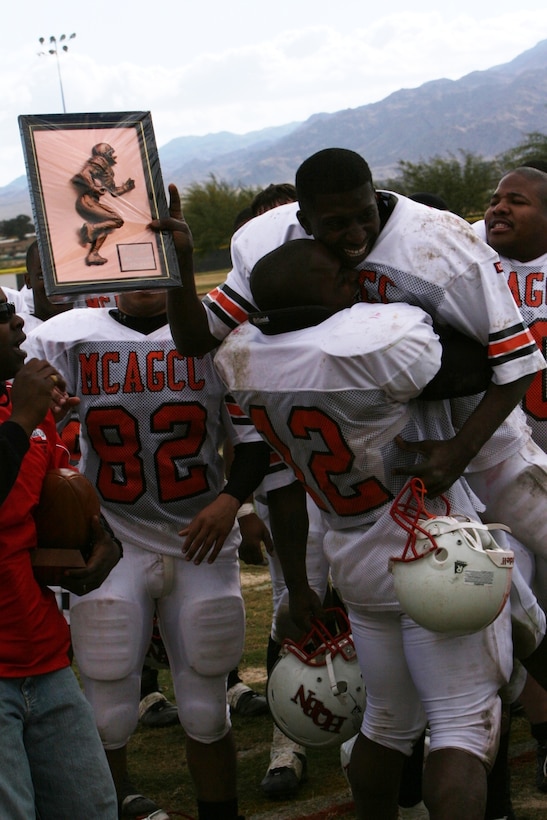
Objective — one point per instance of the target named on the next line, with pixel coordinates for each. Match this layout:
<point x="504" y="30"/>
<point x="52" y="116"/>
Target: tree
<point x="465" y="184"/>
<point x="17" y="227"/>
<point x="534" y="147"/>
<point x="210" y="209"/>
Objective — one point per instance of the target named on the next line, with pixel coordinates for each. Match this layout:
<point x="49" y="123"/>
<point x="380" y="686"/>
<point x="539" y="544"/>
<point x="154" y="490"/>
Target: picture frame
<point x="95" y="185"/>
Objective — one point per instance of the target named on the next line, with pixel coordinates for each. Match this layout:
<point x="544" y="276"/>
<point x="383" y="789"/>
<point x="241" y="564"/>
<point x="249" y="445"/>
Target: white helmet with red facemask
<point x="452" y="576"/>
<point x="315" y="691"/>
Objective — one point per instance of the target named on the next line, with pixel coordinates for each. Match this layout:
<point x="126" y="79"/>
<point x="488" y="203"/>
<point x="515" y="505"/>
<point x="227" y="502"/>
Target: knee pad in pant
<point x="115" y="705"/>
<point x="106" y="638"/>
<point x="214" y="633"/>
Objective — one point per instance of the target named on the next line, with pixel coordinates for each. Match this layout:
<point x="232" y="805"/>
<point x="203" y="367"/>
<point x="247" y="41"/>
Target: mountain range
<point x="485" y="113"/>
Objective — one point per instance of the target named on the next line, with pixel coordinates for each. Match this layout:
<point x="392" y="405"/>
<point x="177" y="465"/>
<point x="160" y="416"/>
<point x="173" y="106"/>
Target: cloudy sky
<point x="203" y="66"/>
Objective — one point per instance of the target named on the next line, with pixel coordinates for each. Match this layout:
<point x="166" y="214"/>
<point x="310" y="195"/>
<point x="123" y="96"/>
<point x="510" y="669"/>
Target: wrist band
<point x="245" y="509"/>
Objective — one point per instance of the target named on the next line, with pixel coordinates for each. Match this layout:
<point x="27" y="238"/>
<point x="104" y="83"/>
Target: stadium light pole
<point x="54" y="49"/>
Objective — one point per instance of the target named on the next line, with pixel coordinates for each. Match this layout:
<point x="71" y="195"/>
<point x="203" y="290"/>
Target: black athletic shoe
<point x="156" y="712"/>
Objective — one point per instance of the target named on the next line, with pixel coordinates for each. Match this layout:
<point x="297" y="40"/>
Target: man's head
<point x="516" y="219"/>
<point x="242" y="218"/>
<point x="300" y="273"/>
<point x="11" y="338"/>
<point x="34" y="279"/>
<point x="272" y="197"/>
<point x="338" y="203"/>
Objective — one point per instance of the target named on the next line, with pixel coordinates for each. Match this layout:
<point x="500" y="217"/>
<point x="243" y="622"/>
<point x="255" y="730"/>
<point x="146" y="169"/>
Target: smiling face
<point x="11" y="339"/>
<point x="348" y="223"/>
<point x="516" y="219"/>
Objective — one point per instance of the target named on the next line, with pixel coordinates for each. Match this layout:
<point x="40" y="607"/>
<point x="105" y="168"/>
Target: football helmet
<point x="103" y="149"/>
<point x="315" y="691"/>
<point x="452" y="576"/>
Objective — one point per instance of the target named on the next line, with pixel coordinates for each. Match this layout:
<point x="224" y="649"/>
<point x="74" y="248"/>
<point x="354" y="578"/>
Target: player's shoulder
<point x="16" y="297"/>
<point x="77" y="323"/>
<point x="368" y="327"/>
<point x="269" y="230"/>
<point x="480" y="228"/>
<point x="410" y="214"/>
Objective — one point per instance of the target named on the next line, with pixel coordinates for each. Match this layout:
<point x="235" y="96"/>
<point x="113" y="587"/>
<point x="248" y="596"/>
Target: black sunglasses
<point x="7" y="310"/>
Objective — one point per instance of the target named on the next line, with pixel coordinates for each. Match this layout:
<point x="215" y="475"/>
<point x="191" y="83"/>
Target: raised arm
<point x="33" y="392"/>
<point x="185" y="312"/>
<point x="289" y="525"/>
<point x="465" y="367"/>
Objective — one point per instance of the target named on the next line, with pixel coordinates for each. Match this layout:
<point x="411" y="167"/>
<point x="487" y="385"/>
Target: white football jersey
<point x="434" y="259"/>
<point x="152" y="422"/>
<point x="330" y="400"/>
<point x="17" y="298"/>
<point x="424" y="257"/>
<point x="528" y="283"/>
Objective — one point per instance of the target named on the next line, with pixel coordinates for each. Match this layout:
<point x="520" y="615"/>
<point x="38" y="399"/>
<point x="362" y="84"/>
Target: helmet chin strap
<point x="334" y="684"/>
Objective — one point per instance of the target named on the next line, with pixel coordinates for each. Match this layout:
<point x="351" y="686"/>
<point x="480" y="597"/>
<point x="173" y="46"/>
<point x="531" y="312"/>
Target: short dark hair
<point x="432" y="200"/>
<point x="534" y="175"/>
<point x="242" y="218"/>
<point x="280" y="278"/>
<point x="331" y="171"/>
<point x="280" y="193"/>
<point x="538" y="164"/>
<point x="32" y="255"/>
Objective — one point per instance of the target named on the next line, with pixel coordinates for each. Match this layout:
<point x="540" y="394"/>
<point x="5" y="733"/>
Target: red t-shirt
<point x="34" y="636"/>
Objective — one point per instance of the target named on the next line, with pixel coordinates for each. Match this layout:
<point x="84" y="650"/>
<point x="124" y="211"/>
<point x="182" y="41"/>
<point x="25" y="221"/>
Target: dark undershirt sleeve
<point x="14" y="444"/>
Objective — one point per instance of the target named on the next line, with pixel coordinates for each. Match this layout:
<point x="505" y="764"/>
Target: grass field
<point x="207" y="281"/>
<point x="156" y="757"/>
<point x="158" y="764"/>
<point x="204" y="281"/>
<point x="157" y="760"/>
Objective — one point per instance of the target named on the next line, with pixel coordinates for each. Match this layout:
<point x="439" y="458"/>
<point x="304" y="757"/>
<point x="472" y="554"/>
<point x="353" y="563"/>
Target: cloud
<point x="274" y="79"/>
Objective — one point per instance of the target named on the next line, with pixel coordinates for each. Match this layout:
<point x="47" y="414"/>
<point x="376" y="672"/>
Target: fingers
<point x="268" y="543"/>
<point x="175" y="209"/>
<point x="78" y="586"/>
<point x="408" y="446"/>
<point x="176" y="221"/>
<point x="197" y="551"/>
<point x="97" y="530"/>
<point x="168" y="223"/>
<point x="54" y="380"/>
<point x="45" y="383"/>
<point x="201" y="545"/>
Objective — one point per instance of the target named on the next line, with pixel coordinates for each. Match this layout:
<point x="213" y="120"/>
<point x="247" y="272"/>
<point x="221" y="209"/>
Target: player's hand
<point x="305" y="604"/>
<point x="206" y="534"/>
<point x="254" y="536"/>
<point x="36" y="388"/>
<point x="104" y="557"/>
<point x="63" y="404"/>
<point x="443" y="463"/>
<point x="175" y="224"/>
